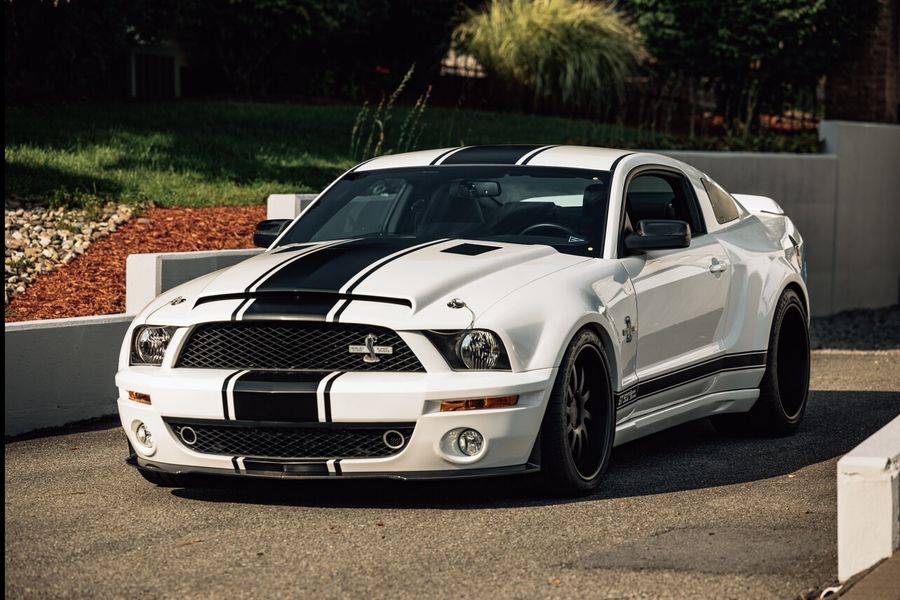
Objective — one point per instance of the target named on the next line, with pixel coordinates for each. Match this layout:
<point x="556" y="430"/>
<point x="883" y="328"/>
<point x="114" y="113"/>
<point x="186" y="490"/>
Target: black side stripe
<point x="442" y="155"/>
<point x="225" y="393"/>
<point x="234" y="461"/>
<point x="337" y="467"/>
<point x="708" y="368"/>
<point x="489" y="155"/>
<point x="541" y="151"/>
<point x="327" y="394"/>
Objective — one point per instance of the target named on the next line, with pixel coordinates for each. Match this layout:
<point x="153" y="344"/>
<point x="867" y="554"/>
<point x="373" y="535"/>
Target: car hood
<point x="394" y="282"/>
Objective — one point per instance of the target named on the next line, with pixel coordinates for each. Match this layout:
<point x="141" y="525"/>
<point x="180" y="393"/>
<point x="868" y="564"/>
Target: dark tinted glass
<point x="722" y="203"/>
<point x="565" y="208"/>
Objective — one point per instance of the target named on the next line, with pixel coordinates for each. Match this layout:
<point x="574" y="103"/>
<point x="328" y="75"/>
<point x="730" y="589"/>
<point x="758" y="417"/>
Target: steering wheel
<point x="555" y="226"/>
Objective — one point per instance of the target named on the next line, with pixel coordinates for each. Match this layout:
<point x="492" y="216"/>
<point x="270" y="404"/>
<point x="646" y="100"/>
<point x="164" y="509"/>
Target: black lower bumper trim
<point x="290" y="470"/>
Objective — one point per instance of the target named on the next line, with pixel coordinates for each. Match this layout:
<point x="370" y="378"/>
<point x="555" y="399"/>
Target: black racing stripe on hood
<point x="489" y="155"/>
<point x="374" y="268"/>
<point x="331" y="268"/>
<point x="300" y="252"/>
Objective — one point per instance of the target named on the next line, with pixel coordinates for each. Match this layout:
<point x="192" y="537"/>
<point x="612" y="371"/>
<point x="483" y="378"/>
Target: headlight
<point x="149" y="344"/>
<point x="479" y="349"/>
<point x="476" y="349"/>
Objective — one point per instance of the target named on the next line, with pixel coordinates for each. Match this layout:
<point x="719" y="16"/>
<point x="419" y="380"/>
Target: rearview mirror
<point x="479" y="189"/>
<point x="659" y="234"/>
<point x="267" y="231"/>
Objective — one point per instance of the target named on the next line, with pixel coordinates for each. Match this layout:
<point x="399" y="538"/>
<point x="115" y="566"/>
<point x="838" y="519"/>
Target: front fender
<point x="539" y="320"/>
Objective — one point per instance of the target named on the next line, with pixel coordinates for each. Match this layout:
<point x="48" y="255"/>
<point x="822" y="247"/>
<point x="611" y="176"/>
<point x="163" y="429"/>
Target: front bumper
<point x="354" y="398"/>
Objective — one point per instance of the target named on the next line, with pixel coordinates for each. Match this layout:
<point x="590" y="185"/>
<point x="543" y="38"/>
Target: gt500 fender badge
<point x="370" y="350"/>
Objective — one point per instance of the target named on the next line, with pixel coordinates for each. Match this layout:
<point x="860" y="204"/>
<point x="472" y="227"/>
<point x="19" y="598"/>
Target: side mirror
<point x="267" y="231"/>
<point x="659" y="234"/>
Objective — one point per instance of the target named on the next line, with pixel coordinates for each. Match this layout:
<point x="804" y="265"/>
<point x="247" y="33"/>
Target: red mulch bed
<point x="94" y="283"/>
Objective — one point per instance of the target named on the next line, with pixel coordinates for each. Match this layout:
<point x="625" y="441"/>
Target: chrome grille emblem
<point x="370" y="350"/>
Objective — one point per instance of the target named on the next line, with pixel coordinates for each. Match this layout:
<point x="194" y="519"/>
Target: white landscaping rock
<point x="38" y="239"/>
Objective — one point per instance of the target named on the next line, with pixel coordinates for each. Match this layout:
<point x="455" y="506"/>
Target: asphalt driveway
<point x="686" y="513"/>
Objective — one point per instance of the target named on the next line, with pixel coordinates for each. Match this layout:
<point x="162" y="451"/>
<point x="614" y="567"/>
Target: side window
<point x="661" y="196"/>
<point x="722" y="203"/>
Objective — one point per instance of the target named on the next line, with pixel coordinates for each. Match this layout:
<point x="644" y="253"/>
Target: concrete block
<point x="149" y="275"/>
<point x="867" y="246"/>
<point x="61" y="371"/>
<point x="869" y="501"/>
<point x="287" y="206"/>
<point x="805" y="185"/>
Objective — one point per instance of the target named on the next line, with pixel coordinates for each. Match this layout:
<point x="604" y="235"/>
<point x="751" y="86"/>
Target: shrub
<point x="576" y="51"/>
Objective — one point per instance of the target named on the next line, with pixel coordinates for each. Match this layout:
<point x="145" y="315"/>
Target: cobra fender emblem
<point x="629" y="331"/>
<point x="370" y="350"/>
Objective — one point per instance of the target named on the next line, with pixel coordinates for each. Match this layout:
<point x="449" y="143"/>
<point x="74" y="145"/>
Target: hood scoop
<point x="470" y="249"/>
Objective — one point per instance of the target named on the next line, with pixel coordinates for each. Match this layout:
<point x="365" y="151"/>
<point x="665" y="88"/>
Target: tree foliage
<point x="755" y="54"/>
<point x="61" y="49"/>
<point x="577" y="51"/>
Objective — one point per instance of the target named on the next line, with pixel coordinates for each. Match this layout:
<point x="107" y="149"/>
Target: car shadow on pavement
<point x="687" y="457"/>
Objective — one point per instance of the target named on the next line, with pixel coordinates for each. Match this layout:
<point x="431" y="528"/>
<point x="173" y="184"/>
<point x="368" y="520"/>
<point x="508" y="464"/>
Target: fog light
<point x="143" y="436"/>
<point x="470" y="442"/>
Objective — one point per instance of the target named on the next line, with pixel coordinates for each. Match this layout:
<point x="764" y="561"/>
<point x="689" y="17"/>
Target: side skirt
<point x="732" y="401"/>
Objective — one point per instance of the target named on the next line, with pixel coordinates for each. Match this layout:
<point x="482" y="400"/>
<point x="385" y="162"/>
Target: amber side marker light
<point x="478" y="403"/>
<point x="139" y="397"/>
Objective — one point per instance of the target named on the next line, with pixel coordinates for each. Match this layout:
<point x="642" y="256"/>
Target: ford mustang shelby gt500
<point x="476" y="311"/>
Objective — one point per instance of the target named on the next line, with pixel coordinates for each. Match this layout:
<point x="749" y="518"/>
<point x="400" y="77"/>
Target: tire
<point x="579" y="424"/>
<point x="784" y="389"/>
<point x="165" y="479"/>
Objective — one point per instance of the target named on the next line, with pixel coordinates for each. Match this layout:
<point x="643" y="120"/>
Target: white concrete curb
<point x="869" y="501"/>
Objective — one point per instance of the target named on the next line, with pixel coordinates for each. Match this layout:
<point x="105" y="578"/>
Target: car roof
<point x="573" y="157"/>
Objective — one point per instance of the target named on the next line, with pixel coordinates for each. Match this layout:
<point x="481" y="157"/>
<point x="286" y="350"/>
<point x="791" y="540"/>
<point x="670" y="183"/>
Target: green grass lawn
<point x="216" y="153"/>
<point x="221" y="153"/>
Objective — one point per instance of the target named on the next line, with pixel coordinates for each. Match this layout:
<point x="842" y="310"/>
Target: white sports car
<point x="476" y="311"/>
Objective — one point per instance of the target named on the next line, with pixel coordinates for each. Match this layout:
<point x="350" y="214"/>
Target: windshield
<point x="564" y="208"/>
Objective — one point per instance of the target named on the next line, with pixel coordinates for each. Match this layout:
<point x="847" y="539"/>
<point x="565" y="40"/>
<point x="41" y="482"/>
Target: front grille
<point x="292" y="345"/>
<point x="292" y="442"/>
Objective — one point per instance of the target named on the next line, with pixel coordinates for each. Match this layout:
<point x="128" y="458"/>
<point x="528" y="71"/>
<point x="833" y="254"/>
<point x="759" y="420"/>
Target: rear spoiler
<point x="758" y="204"/>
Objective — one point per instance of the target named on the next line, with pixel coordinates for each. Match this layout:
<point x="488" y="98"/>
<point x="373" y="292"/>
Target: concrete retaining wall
<point x="846" y="204"/>
<point x="60" y="371"/>
<point x="868" y="495"/>
<point x="804" y="185"/>
<point x="149" y="275"/>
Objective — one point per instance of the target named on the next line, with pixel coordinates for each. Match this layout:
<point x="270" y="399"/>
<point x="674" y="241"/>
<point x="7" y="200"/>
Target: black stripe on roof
<point x="489" y="155"/>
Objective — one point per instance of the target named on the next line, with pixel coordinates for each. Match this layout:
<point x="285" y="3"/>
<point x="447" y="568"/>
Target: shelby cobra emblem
<point x="370" y="350"/>
<point x="608" y="295"/>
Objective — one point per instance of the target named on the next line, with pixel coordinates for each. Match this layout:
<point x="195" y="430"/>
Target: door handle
<point x="718" y="267"/>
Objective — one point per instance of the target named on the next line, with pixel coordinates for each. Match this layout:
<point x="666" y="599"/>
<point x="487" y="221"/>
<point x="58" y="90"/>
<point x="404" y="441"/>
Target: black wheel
<point x="579" y="424"/>
<point x="165" y="479"/>
<point x="784" y="388"/>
